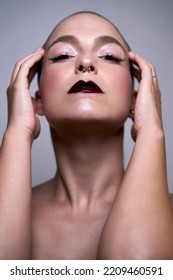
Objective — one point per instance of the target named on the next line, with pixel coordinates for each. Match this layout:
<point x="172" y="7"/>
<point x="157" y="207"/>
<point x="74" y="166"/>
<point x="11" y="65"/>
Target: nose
<point x="85" y="65"/>
<point x="81" y="68"/>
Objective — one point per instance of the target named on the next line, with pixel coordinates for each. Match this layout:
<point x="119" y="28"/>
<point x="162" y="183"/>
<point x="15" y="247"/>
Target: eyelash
<point x="108" y="57"/>
<point x="61" y="57"/>
<point x="112" y="58"/>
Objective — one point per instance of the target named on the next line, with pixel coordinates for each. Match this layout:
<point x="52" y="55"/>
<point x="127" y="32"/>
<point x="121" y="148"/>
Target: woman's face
<point x="88" y="40"/>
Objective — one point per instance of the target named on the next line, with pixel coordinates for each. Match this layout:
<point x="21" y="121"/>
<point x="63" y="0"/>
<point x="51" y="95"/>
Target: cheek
<point x="51" y="90"/>
<point x="50" y="81"/>
<point x="122" y="87"/>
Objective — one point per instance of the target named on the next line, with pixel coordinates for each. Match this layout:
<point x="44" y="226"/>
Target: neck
<point x="89" y="164"/>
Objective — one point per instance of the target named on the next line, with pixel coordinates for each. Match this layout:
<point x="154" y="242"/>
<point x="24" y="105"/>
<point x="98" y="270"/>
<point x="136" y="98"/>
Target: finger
<point x="154" y="74"/>
<point x="136" y="73"/>
<point x="34" y="69"/>
<point x="148" y="72"/>
<point x="148" y="76"/>
<point x="24" y="69"/>
<point x="20" y="62"/>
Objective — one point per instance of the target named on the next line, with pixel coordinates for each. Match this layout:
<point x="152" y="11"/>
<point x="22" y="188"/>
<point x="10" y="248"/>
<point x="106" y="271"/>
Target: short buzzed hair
<point x="92" y="13"/>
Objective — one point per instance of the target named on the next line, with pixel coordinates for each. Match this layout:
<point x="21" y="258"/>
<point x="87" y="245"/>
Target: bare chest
<point x="57" y="234"/>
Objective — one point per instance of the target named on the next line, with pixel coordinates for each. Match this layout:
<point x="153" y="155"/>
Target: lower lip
<point x="86" y="91"/>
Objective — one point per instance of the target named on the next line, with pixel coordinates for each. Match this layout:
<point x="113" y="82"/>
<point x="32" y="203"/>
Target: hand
<point x="147" y="99"/>
<point x="21" y="106"/>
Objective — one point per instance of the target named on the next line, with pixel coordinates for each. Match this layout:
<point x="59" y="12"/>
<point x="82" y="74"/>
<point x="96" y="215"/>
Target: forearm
<point x="146" y="170"/>
<point x="15" y="197"/>
<point x="140" y="223"/>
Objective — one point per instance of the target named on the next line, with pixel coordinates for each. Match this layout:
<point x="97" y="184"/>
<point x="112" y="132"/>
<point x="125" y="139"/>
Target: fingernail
<point x="40" y="49"/>
<point x="131" y="53"/>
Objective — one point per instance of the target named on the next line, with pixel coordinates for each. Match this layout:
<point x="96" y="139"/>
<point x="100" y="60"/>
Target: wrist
<point x="18" y="136"/>
<point x="150" y="133"/>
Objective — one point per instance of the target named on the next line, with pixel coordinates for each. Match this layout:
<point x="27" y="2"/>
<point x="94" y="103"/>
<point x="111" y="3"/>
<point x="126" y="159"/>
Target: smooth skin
<point x="92" y="208"/>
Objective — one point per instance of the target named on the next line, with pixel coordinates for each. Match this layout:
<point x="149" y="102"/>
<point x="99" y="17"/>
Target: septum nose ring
<point x="81" y="68"/>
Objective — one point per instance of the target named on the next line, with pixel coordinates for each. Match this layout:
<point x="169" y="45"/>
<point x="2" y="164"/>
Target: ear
<point x="132" y="107"/>
<point x="39" y="104"/>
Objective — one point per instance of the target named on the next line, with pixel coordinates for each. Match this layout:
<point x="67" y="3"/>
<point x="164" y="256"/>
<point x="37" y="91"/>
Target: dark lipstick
<point x="85" y="87"/>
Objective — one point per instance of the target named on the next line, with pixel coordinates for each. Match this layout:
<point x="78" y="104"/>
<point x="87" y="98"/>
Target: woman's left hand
<point x="147" y="104"/>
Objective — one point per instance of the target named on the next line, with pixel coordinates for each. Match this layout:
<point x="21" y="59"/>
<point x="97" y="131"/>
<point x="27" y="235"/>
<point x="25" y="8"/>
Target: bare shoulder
<point x="43" y="190"/>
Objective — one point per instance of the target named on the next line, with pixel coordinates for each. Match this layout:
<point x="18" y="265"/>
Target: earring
<point x="132" y="111"/>
<point x="131" y="114"/>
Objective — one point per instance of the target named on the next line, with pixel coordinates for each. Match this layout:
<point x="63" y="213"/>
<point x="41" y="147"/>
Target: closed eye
<point x="61" y="58"/>
<point x="112" y="58"/>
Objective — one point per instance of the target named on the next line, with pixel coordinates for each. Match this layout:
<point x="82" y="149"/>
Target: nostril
<point x="81" y="68"/>
<point x="91" y="68"/>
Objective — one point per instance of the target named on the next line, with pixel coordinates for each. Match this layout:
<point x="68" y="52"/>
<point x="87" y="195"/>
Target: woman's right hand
<point x="21" y="106"/>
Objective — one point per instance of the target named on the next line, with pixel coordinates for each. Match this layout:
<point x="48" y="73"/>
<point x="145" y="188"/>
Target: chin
<point x="88" y="114"/>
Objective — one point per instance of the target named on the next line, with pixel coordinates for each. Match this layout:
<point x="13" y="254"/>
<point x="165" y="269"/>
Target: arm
<point x="15" y="164"/>
<point x="140" y="225"/>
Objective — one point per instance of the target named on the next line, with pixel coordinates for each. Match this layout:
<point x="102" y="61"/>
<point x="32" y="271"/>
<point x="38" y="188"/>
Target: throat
<point x="89" y="168"/>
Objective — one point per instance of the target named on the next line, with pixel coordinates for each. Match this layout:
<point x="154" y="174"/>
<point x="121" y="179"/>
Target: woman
<point x="92" y="208"/>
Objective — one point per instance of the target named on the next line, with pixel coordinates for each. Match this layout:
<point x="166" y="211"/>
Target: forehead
<point x="85" y="25"/>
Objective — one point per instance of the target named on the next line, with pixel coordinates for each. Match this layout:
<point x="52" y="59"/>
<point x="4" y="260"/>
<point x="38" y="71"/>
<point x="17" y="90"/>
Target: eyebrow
<point x="70" y="39"/>
<point x="102" y="40"/>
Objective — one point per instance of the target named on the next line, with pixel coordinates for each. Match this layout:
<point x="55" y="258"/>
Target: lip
<point x="85" y="87"/>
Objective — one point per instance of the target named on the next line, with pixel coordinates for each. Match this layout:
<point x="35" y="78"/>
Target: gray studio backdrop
<point x="147" y="26"/>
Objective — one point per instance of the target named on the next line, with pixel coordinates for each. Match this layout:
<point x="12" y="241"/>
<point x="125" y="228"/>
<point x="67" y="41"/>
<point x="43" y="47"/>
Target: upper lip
<point x="85" y="87"/>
